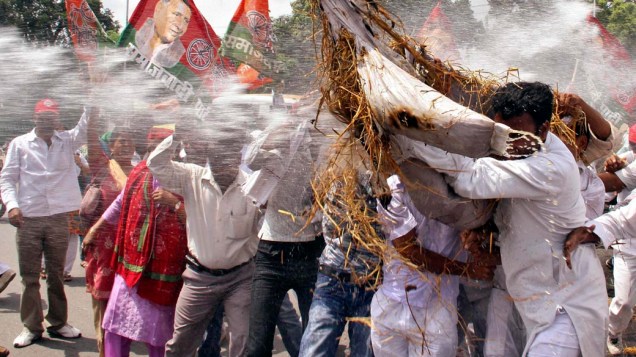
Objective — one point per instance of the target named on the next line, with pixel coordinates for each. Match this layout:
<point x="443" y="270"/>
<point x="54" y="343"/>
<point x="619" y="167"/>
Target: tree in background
<point x="296" y="48"/>
<point x="619" y="18"/>
<point x="44" y="21"/>
<point x="413" y="13"/>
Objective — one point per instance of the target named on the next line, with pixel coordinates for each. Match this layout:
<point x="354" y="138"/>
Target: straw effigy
<point x="380" y="82"/>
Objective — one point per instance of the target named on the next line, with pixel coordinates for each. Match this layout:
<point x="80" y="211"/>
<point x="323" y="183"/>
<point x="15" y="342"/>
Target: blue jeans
<point x="335" y="301"/>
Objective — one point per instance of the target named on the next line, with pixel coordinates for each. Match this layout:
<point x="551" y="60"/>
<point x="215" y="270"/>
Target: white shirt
<point x="599" y="149"/>
<point x="221" y="227"/>
<point x="540" y="204"/>
<point x="618" y="226"/>
<point x="592" y="191"/>
<point x="290" y="203"/>
<point x="627" y="175"/>
<point x="429" y="287"/>
<point x="42" y="180"/>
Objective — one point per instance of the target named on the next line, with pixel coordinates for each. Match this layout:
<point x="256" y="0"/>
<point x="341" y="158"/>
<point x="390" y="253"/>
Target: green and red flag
<point x="172" y="42"/>
<point x="614" y="57"/>
<point x="251" y="77"/>
<point x="85" y="30"/>
<point x="250" y="39"/>
<point x="437" y="35"/>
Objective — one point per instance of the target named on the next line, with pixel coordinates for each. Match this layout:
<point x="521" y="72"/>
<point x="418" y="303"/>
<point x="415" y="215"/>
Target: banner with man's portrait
<point x="171" y="41"/>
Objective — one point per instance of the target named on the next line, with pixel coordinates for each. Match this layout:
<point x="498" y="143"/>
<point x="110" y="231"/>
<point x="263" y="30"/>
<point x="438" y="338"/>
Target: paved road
<point x="80" y="313"/>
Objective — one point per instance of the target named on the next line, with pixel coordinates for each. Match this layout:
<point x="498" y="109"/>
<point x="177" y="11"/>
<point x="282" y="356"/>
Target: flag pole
<point x="127" y="13"/>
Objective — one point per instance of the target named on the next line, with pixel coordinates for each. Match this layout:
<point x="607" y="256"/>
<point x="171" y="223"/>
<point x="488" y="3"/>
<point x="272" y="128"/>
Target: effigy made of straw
<point x="380" y="82"/>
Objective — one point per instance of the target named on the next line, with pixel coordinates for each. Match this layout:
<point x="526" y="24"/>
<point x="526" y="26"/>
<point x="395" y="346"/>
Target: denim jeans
<point x="290" y="327"/>
<point x="279" y="268"/>
<point x="288" y="324"/>
<point x="335" y="301"/>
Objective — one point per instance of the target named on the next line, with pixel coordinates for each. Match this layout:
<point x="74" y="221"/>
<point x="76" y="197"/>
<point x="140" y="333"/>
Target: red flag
<point x="251" y="77"/>
<point x="84" y="29"/>
<point x="617" y="59"/>
<point x="172" y="41"/>
<point x="437" y="35"/>
<point x="172" y="32"/>
<point x="250" y="39"/>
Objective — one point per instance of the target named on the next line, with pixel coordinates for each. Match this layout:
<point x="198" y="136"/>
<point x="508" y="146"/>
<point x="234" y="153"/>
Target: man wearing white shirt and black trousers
<point x="39" y="186"/>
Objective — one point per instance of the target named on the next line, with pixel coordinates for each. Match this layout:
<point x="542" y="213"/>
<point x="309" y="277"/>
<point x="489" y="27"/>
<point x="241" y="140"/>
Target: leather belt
<point x="194" y="264"/>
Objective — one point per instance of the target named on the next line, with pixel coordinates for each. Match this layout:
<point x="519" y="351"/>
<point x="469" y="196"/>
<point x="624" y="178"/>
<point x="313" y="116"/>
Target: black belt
<point x="194" y="264"/>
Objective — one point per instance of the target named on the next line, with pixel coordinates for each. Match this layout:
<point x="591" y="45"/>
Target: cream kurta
<point x="540" y="204"/>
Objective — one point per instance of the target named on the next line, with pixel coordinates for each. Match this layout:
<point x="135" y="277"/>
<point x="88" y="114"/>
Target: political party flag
<point x="85" y="30"/>
<point x="614" y="57"/>
<point x="250" y="39"/>
<point x="437" y="35"/>
<point x="172" y="42"/>
<point x="251" y="77"/>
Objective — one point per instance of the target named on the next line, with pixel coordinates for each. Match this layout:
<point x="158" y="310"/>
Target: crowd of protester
<point x="178" y="254"/>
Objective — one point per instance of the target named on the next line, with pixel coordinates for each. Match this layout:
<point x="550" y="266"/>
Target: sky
<point x="217" y="12"/>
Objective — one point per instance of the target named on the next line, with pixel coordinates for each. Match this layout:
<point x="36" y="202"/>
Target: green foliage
<point x="414" y="13"/>
<point x="619" y="17"/>
<point x="296" y="48"/>
<point x="113" y="35"/>
<point x="44" y="21"/>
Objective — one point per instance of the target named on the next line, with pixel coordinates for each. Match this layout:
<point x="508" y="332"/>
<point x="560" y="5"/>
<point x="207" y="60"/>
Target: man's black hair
<point x="514" y="99"/>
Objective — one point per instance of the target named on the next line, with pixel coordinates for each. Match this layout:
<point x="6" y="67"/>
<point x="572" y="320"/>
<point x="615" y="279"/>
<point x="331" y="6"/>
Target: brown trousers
<point x="200" y="296"/>
<point x="46" y="236"/>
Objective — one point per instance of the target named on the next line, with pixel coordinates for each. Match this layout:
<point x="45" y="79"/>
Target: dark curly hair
<point x="514" y="99"/>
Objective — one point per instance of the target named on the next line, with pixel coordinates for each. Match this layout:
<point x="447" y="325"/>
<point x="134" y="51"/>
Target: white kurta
<point x="618" y="226"/>
<point x="592" y="190"/>
<point x="540" y="204"/>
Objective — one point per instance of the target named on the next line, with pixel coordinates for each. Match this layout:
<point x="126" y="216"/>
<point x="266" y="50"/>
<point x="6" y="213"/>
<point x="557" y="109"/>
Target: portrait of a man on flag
<point x="159" y="37"/>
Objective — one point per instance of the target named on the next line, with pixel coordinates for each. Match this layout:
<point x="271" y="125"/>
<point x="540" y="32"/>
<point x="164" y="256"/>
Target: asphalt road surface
<point x="80" y="313"/>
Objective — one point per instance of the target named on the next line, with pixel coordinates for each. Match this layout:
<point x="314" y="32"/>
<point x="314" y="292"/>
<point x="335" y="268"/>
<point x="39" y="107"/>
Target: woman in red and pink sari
<point x="109" y="158"/>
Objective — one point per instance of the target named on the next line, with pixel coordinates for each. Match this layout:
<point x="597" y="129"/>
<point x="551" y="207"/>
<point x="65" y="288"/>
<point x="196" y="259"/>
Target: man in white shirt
<point x="616" y="229"/>
<point x="288" y="248"/>
<point x="39" y="187"/>
<point x="222" y="240"/>
<point x="563" y="308"/>
<point x="414" y="311"/>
